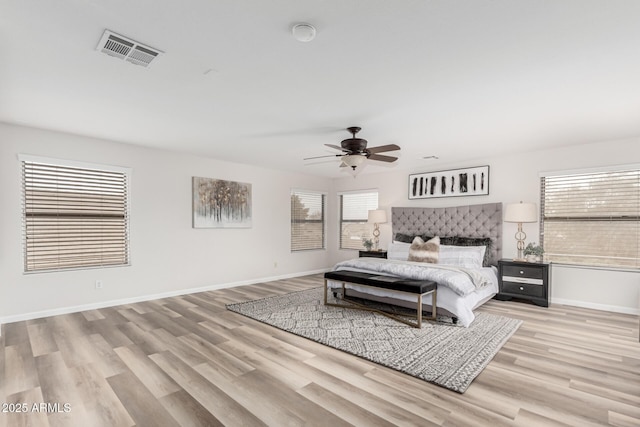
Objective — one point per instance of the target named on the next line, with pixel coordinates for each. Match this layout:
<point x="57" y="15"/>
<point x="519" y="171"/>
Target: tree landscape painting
<point x="221" y="204"/>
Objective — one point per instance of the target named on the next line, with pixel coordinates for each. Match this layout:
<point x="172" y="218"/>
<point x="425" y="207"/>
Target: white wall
<point x="514" y="178"/>
<point x="168" y="255"/>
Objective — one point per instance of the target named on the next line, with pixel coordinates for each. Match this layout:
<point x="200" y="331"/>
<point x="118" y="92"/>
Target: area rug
<point x="448" y="355"/>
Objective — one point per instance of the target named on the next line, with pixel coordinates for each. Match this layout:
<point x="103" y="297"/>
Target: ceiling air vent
<point x="130" y="50"/>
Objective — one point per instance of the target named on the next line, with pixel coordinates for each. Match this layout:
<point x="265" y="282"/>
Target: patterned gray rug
<point x="444" y="354"/>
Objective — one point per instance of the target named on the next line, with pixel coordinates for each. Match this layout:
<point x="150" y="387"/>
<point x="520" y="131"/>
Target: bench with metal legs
<point x="419" y="288"/>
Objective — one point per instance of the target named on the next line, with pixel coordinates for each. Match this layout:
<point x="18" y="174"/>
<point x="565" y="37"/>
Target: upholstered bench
<point x="419" y="288"/>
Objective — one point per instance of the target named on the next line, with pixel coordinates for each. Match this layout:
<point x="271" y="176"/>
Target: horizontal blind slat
<point x="74" y="217"/>
<point x="307" y="220"/>
<point x="354" y="213"/>
<point x="592" y="219"/>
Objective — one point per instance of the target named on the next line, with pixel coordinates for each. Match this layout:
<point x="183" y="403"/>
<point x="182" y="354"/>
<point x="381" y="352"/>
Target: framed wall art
<point x="221" y="204"/>
<point x="450" y="183"/>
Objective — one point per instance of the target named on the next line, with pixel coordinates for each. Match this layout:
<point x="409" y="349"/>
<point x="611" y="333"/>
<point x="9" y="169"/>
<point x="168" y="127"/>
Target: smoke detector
<point x="125" y="48"/>
<point x="303" y="32"/>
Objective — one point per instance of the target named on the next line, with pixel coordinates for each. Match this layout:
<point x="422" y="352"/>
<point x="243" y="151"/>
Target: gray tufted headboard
<point x="465" y="221"/>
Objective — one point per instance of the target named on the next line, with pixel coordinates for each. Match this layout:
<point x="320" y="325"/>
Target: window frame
<point x="358" y="221"/>
<point x="584" y="175"/>
<point x="323" y="220"/>
<point x="65" y="163"/>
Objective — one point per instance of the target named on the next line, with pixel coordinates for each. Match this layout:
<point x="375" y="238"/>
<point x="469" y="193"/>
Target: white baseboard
<point x="104" y="304"/>
<point x="595" y="306"/>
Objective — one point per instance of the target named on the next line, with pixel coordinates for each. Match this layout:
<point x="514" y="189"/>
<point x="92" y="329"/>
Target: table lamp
<point x="376" y="217"/>
<point x="519" y="213"/>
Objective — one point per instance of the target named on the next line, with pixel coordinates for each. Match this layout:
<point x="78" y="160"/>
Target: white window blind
<point x="307" y="220"/>
<point x="354" y="213"/>
<point x="74" y="217"/>
<point x="592" y="219"/>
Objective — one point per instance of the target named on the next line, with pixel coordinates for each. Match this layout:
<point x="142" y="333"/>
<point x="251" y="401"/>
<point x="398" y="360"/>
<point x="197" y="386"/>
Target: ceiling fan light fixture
<point x="353" y="160"/>
<point x="354" y="151"/>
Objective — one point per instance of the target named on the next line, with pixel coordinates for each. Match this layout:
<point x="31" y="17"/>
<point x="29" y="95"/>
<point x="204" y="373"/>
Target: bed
<point x="462" y="230"/>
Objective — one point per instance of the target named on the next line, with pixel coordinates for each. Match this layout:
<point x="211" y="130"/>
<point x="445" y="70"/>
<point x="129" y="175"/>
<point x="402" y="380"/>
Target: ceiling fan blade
<point x="320" y="157"/>
<point x="337" y="148"/>
<point x="382" y="158"/>
<point x="383" y="148"/>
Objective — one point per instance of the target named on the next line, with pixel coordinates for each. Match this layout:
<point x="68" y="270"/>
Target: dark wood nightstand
<point x="524" y="280"/>
<point x="372" y="254"/>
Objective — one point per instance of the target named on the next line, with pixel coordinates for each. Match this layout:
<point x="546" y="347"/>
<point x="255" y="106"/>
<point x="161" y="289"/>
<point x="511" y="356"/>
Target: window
<point x="73" y="216"/>
<point x="307" y="220"/>
<point x="592" y="219"/>
<point x="354" y="212"/>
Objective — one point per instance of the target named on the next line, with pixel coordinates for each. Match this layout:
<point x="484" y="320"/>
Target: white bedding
<point x="459" y="303"/>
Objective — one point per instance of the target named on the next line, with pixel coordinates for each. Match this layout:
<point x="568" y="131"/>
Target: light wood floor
<point x="188" y="361"/>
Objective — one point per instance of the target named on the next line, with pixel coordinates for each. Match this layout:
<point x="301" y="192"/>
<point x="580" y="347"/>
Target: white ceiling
<point x="457" y="79"/>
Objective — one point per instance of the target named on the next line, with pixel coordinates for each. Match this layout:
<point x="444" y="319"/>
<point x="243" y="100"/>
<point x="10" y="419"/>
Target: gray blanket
<point x="462" y="281"/>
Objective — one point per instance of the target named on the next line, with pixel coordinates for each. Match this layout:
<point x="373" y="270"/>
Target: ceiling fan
<point x="355" y="152"/>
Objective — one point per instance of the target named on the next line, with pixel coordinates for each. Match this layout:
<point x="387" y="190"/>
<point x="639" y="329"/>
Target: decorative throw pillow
<point x="398" y="250"/>
<point x="454" y="241"/>
<point x="404" y="238"/>
<point x="422" y="251"/>
<point x="408" y="238"/>
<point x="448" y="240"/>
<point x="476" y="241"/>
<point x="462" y="256"/>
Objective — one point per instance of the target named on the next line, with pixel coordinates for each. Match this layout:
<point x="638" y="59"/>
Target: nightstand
<point x="372" y="254"/>
<point x="524" y="280"/>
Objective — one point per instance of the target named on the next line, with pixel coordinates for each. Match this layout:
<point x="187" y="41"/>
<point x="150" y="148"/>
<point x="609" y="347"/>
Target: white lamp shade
<point x="353" y="160"/>
<point x="521" y="212"/>
<point x="377" y="216"/>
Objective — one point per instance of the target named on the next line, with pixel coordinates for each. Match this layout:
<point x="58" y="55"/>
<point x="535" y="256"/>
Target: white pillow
<point x="398" y="250"/>
<point x="462" y="256"/>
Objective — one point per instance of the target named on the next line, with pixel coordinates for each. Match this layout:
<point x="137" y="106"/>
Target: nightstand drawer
<point x="372" y="254"/>
<point x="522" y="280"/>
<point x="522" y="271"/>
<point x="523" y="289"/>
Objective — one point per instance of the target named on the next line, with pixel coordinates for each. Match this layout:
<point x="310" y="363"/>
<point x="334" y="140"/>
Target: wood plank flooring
<point x="187" y="361"/>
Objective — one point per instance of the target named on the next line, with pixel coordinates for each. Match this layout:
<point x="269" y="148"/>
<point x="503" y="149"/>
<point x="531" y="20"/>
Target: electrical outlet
<point x="98" y="284"/>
